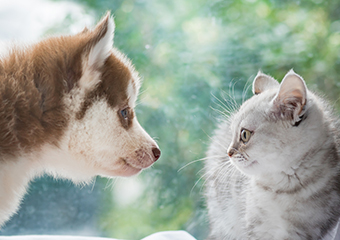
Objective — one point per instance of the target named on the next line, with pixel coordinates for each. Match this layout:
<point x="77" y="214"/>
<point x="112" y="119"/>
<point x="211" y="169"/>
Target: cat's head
<point x="277" y="127"/>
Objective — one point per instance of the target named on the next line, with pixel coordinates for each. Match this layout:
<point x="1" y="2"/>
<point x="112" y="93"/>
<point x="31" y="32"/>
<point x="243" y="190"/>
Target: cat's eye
<point x="245" y="135"/>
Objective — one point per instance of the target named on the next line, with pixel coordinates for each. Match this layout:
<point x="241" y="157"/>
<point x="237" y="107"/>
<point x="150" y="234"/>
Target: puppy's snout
<point x="156" y="153"/>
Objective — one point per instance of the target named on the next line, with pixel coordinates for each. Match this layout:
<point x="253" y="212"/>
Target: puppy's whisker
<point x="93" y="184"/>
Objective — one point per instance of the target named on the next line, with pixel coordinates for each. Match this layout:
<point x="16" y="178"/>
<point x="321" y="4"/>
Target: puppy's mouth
<point x="129" y="168"/>
<point x="125" y="169"/>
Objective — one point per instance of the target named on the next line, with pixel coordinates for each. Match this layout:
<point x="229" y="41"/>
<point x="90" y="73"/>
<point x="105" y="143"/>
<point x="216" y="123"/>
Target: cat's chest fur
<point x="272" y="215"/>
<point x="264" y="214"/>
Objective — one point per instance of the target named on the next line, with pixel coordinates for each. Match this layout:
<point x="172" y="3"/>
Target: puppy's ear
<point x="101" y="41"/>
<point x="85" y="30"/>
<point x="97" y="50"/>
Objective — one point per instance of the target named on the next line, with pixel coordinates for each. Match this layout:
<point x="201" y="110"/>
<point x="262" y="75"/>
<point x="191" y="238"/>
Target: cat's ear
<point x="291" y="98"/>
<point x="263" y="82"/>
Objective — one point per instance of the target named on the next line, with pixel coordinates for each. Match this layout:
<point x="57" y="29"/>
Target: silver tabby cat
<point x="273" y="167"/>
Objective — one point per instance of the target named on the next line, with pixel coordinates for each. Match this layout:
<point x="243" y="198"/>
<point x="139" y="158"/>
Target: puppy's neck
<point x="15" y="175"/>
<point x="17" y="172"/>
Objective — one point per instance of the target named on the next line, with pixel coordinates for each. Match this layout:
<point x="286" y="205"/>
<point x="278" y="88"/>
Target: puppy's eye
<point x="124" y="113"/>
<point x="245" y="135"/>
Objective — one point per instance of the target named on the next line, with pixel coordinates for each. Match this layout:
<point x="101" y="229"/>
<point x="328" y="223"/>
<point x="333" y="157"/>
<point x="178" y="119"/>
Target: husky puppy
<point x="67" y="109"/>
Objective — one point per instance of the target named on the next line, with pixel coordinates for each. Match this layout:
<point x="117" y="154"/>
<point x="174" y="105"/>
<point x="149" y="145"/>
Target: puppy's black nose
<point x="156" y="153"/>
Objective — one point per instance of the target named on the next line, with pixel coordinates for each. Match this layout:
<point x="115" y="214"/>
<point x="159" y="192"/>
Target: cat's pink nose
<point x="231" y="152"/>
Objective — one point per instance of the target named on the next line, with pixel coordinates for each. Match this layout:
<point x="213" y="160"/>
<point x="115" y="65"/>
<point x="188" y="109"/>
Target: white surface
<point x="169" y="235"/>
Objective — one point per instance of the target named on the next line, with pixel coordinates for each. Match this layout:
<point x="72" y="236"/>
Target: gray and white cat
<point x="273" y="167"/>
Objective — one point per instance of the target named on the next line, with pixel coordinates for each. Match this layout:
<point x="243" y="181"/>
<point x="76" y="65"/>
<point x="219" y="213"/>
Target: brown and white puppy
<point x="67" y="109"/>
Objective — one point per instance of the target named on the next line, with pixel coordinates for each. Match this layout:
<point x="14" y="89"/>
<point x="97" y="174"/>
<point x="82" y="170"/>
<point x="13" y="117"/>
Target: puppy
<point x="67" y="109"/>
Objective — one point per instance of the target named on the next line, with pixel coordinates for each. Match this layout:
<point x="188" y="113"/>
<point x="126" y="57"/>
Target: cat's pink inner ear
<point x="263" y="82"/>
<point x="292" y="95"/>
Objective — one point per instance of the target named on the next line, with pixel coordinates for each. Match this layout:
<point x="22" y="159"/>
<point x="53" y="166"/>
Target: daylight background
<point x="192" y="56"/>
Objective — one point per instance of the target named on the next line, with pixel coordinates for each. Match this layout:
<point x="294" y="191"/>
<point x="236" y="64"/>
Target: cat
<point x="272" y="168"/>
<point x="67" y="109"/>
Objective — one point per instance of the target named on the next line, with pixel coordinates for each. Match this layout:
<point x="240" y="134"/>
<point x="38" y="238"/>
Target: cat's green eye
<point x="245" y="135"/>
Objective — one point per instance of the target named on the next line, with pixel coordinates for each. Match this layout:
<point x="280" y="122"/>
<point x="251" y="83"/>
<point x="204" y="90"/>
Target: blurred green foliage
<point x="190" y="51"/>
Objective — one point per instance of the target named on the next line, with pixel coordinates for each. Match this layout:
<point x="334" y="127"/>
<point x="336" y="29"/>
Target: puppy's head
<point x="104" y="136"/>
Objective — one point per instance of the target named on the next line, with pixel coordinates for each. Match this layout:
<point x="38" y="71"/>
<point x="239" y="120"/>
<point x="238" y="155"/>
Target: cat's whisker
<point x="211" y="172"/>
<point x="201" y="170"/>
<point x="223" y="105"/>
<point x="195" y="161"/>
<point x="229" y="170"/>
<point x="232" y="89"/>
<point x="208" y="174"/>
<point x="208" y="158"/>
<point x="221" y="112"/>
<point x="229" y="97"/>
<point x="225" y="166"/>
<point x="246" y="89"/>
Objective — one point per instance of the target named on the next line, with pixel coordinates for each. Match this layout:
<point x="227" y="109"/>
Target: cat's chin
<point x="248" y="168"/>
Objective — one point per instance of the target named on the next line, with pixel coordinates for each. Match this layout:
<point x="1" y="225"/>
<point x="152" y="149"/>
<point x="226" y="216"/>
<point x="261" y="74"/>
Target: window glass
<point x="197" y="59"/>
